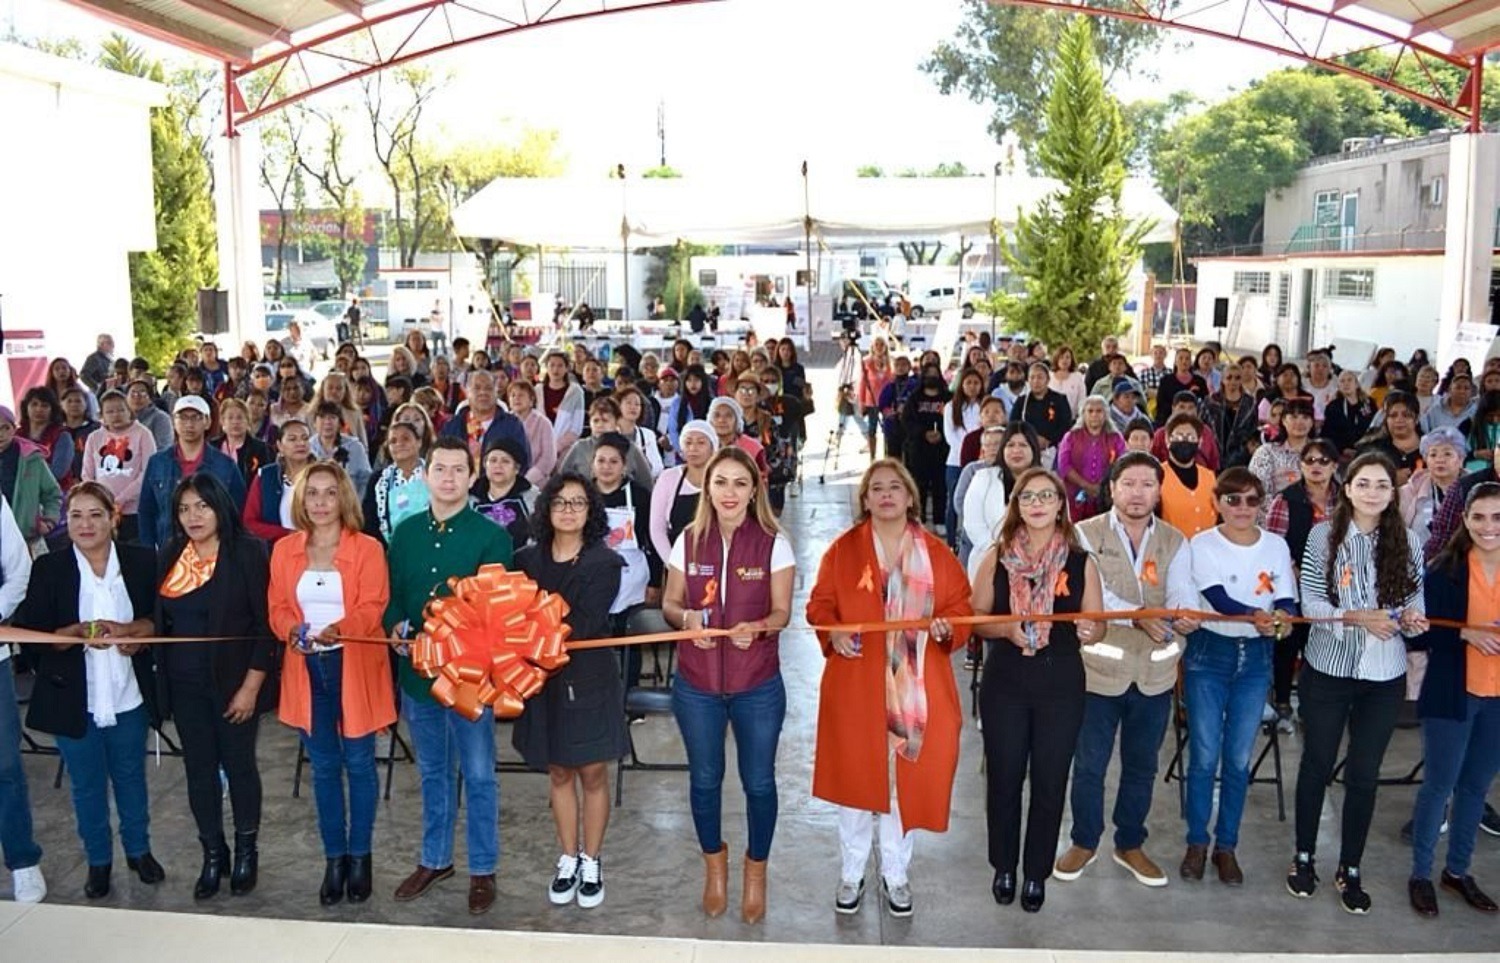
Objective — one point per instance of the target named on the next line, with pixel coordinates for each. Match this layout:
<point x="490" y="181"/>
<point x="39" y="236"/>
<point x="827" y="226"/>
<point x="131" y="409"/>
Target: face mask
<point x="1015" y="384"/>
<point x="1183" y="451"/>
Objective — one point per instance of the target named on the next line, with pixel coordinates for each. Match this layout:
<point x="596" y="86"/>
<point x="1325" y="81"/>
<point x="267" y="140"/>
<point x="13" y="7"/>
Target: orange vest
<point x="1189" y="511"/>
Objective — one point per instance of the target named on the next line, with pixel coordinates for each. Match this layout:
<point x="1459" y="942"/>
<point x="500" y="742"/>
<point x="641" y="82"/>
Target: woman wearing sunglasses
<point x="1031" y="697"/>
<point x="1243" y="571"/>
<point x="1365" y="568"/>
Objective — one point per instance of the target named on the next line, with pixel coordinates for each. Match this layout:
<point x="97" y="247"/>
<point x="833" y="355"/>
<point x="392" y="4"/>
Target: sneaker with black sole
<point x="1490" y="822"/>
<point x="590" y="881"/>
<point x="1352" y="895"/>
<point x="565" y="882"/>
<point x="1302" y="881"/>
<point x="897" y="898"/>
<point x="850" y="895"/>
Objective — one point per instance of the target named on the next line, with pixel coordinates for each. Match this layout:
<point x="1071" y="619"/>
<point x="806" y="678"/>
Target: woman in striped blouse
<point x="1364" y="568"/>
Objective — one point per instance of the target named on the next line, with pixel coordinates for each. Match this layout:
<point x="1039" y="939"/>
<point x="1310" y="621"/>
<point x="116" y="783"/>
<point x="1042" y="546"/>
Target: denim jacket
<point x="162" y="475"/>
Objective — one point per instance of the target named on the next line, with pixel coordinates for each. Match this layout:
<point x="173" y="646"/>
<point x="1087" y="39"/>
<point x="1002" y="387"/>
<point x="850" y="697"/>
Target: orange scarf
<point x="188" y="574"/>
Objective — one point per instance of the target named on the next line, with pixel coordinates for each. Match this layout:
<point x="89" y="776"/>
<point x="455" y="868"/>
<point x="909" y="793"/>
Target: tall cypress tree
<point x="1073" y="254"/>
<point x="164" y="283"/>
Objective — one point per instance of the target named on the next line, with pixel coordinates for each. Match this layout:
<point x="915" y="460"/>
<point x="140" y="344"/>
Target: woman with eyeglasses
<point x="574" y="727"/>
<point x="1292" y="515"/>
<point x="1238" y="570"/>
<point x="1459" y="705"/>
<point x="1364" y="568"/>
<point x="731" y="569"/>
<point x="1031" y="697"/>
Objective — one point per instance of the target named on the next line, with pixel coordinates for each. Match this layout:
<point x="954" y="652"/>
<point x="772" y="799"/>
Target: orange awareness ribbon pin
<point x="867" y="581"/>
<point x="1148" y="572"/>
<point x="1265" y="585"/>
<point x="1061" y="588"/>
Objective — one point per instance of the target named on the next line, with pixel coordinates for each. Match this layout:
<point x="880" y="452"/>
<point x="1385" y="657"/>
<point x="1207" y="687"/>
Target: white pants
<point x="857" y="828"/>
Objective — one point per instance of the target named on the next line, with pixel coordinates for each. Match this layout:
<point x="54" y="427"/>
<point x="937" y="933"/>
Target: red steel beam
<point x="1459" y="107"/>
<point x="408" y="19"/>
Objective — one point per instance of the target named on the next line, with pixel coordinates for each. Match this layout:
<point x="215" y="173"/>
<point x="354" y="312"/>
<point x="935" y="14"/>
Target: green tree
<point x="870" y="170"/>
<point x="329" y="169"/>
<point x="1421" y="75"/>
<point x="1003" y="55"/>
<point x="164" y="283"/>
<point x="466" y="167"/>
<point x="394" y="102"/>
<point x="1074" y="252"/>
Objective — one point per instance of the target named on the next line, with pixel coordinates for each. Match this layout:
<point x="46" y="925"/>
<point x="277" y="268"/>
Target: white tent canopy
<point x="590" y="212"/>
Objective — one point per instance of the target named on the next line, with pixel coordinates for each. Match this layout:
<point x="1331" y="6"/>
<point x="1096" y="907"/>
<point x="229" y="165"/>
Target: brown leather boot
<point x="716" y="882"/>
<point x="753" y="908"/>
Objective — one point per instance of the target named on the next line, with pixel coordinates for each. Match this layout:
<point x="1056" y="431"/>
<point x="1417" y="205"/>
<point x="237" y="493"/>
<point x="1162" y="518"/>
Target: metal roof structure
<point x="277" y="52"/>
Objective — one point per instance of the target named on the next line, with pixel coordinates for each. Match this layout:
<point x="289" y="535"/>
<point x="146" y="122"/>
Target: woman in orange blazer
<point x="328" y="580"/>
<point x="887" y="568"/>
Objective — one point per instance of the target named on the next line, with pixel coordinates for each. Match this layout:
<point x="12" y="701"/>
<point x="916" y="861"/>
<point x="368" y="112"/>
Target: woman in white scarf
<point x="94" y="692"/>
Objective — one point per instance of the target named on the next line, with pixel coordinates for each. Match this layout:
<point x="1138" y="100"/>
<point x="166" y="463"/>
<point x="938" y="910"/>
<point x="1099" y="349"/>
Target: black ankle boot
<point x="361" y="878"/>
<point x="332" y="890"/>
<point x="215" y="865"/>
<point x="97" y="885"/>
<point x="246" y="863"/>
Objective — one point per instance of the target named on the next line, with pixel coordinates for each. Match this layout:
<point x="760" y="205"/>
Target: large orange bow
<point x="493" y="642"/>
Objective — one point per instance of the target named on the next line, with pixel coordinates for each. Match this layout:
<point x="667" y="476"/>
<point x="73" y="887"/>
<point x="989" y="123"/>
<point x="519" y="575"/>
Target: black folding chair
<point x="646" y="700"/>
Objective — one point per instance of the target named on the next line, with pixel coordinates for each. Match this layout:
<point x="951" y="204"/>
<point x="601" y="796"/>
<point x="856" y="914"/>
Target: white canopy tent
<point x="590" y="212"/>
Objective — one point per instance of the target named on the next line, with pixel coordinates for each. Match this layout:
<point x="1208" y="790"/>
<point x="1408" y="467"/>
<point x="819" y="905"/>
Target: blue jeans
<point x="1462" y="757"/>
<point x="950" y="517"/>
<point x="1142" y="724"/>
<point x="756" y="716"/>
<point x="446" y="744"/>
<point x="332" y="755"/>
<point x="116" y="755"/>
<point x="1225" y="681"/>
<point x="16" y="839"/>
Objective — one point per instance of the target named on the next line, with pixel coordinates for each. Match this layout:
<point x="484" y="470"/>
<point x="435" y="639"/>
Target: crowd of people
<point x="264" y="524"/>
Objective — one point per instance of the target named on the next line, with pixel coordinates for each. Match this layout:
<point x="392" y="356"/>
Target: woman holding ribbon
<point x="97" y="698"/>
<point x="329" y="579"/>
<point x="213" y="586"/>
<point x="901" y="685"/>
<point x="731" y="570"/>
<point x="1362" y="567"/>
<point x="1031" y="697"/>
<point x="575" y="727"/>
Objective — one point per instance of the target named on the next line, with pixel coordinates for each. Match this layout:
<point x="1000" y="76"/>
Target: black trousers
<point x="1284" y="663"/>
<point x="932" y="482"/>
<point x="1368" y="711"/>
<point x="1027" y="739"/>
<point x="209" y="741"/>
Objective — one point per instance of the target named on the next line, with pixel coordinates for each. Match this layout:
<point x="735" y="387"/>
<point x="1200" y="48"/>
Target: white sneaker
<point x="565" y="881"/>
<point x="28" y="885"/>
<point x="897" y="898"/>
<point x="851" y="894"/>
<point x="591" y="881"/>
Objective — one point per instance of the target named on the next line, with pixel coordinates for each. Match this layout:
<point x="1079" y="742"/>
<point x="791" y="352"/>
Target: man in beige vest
<point x="1144" y="563"/>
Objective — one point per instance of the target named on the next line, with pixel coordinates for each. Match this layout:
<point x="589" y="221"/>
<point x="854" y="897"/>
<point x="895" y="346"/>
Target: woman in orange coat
<point x="328" y="580"/>
<point x="887" y="568"/>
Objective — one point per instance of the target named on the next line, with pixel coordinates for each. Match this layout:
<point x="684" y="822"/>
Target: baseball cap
<point x="190" y="403"/>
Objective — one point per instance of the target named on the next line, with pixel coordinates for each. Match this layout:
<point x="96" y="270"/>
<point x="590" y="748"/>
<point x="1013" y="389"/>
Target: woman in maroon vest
<point x="731" y="569"/>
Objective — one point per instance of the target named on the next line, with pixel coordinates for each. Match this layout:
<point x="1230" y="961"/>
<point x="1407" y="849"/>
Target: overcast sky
<point x="747" y="85"/>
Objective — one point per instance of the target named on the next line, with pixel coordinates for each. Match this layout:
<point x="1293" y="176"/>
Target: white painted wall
<point x="75" y="198"/>
<point x="1403" y="313"/>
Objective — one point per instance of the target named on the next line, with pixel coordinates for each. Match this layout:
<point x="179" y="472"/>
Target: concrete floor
<point x="653" y="870"/>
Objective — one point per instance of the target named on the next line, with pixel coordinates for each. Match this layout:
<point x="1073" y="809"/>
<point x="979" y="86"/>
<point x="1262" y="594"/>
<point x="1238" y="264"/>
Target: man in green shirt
<point x="449" y="539"/>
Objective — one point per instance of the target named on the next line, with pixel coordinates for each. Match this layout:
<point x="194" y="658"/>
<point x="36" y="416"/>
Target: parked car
<point x="315" y="327"/>
<point x="935" y="300"/>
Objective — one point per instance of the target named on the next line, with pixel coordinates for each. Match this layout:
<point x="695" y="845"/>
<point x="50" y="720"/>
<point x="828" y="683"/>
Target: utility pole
<point x="661" y="130"/>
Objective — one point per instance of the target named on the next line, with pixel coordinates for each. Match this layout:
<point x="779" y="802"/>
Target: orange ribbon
<point x="1060" y="589"/>
<point x="1347" y="578"/>
<point x="493" y="642"/>
<point x="867" y="581"/>
<point x="1148" y="572"/>
<point x="1265" y="585"/>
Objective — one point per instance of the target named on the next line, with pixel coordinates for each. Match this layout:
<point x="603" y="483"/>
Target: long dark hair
<point x="44" y="394"/>
<point x="1012" y="430"/>
<point x="693" y="404"/>
<point x="1455" y="554"/>
<point x="1395" y="576"/>
<point x="960" y="400"/>
<point x="216" y="497"/>
<point x="594" y="529"/>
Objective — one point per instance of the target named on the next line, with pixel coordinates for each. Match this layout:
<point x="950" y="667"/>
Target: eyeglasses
<point x="1317" y="460"/>
<point x="750" y="388"/>
<point x="1044" y="496"/>
<point x="1235" y="500"/>
<point x="566" y="505"/>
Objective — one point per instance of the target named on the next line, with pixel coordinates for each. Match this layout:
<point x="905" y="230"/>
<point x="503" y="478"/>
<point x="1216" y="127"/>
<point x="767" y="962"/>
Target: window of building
<point x="1438" y="185"/>
<point x="1355" y="284"/>
<point x="1252" y="282"/>
<point x="1326" y="208"/>
<point x="1283" y="294"/>
<point x="708" y="279"/>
